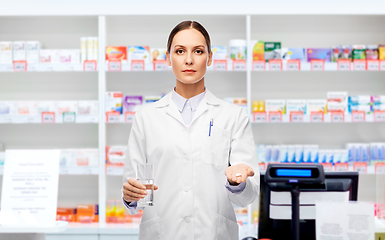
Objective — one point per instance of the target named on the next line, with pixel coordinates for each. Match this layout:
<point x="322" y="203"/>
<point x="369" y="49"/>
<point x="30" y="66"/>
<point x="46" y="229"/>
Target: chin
<point x="189" y="81"/>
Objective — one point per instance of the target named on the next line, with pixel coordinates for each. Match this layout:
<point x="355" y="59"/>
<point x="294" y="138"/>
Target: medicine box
<point x="315" y="105"/>
<point x="341" y="52"/>
<point x="88" y="108"/>
<point x="258" y="50"/>
<point x="341" y="97"/>
<point x="283" y="153"/>
<point x="359" y="52"/>
<point x="158" y="54"/>
<point x="8" y="108"/>
<point x="358" y="152"/>
<point x="67" y="106"/>
<point x="337" y="107"/>
<point x="258" y="106"/>
<point x="47" y="106"/>
<point x="6" y="53"/>
<point x="33" y="52"/>
<point x="19" y="51"/>
<point x="132" y="103"/>
<point x="310" y="153"/>
<point x="70" y="56"/>
<point x="114" y="102"/>
<point x="381" y="52"/>
<point x="272" y="50"/>
<point x="115" y="155"/>
<point x="295" y="105"/>
<point x="27" y="108"/>
<point x="219" y="52"/>
<point x="378" y="103"/>
<point x="151" y="99"/>
<point x="319" y="54"/>
<point x="377" y="151"/>
<point x="275" y="105"/>
<point x="87" y="157"/>
<point x="139" y="53"/>
<point x="116" y="53"/>
<point x="293" y="54"/>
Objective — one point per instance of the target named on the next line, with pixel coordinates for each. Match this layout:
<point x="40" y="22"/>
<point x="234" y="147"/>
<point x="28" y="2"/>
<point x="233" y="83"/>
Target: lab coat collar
<point x="166" y="100"/>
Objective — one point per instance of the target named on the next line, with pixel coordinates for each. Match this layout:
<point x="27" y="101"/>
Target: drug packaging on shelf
<point x="87" y="157"/>
<point x="132" y="103"/>
<point x="114" y="102"/>
<point x="372" y="52"/>
<point x="238" y="49"/>
<point x="291" y="150"/>
<point x="27" y="108"/>
<point x="341" y="52"/>
<point x="358" y="152"/>
<point x="19" y="51"/>
<point x="319" y="54"/>
<point x="283" y="153"/>
<point x="47" y="106"/>
<point x="272" y="50"/>
<point x="341" y="97"/>
<point x="70" y="56"/>
<point x="219" y="52"/>
<point x="45" y="56"/>
<point x="381" y="52"/>
<point x="295" y="105"/>
<point x="151" y="99"/>
<point x="115" y="155"/>
<point x="90" y="48"/>
<point x="315" y="105"/>
<point x="67" y="157"/>
<point x="359" y="52"/>
<point x="116" y="53"/>
<point x="340" y="156"/>
<point x="88" y="108"/>
<point x="33" y="52"/>
<point x="55" y="56"/>
<point x="275" y="105"/>
<point x="95" y="48"/>
<point x="360" y="103"/>
<point x="139" y="53"/>
<point x="6" y="53"/>
<point x="293" y="54"/>
<point x="258" y="106"/>
<point x="83" y="49"/>
<point x="158" y="54"/>
<point x="67" y="106"/>
<point x="258" y="49"/>
<point x="8" y="108"/>
<point x="262" y="154"/>
<point x="325" y="156"/>
<point x="337" y="107"/>
<point x="310" y="153"/>
<point x="299" y="153"/>
<point x="377" y="151"/>
<point x="378" y="103"/>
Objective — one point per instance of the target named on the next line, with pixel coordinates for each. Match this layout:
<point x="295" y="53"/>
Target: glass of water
<point x="145" y="175"/>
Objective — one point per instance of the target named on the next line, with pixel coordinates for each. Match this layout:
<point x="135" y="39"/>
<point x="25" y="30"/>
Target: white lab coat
<point x="192" y="201"/>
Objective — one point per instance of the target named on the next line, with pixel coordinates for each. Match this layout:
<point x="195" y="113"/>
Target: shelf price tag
<point x="337" y="117"/>
<point x="129" y="117"/>
<point x="316" y="117"/>
<point x="115" y="65"/>
<point x="382" y="65"/>
<point x="114" y="170"/>
<point x="358" y="116"/>
<point x="359" y="64"/>
<point x="275" y="117"/>
<point x="379" y="116"/>
<point x="275" y="64"/>
<point x="380" y="168"/>
<point x="259" y="65"/>
<point x="361" y="167"/>
<point x="63" y="171"/>
<point x="89" y="65"/>
<point x="239" y="65"/>
<point x="113" y="117"/>
<point x="343" y="64"/>
<point x="160" y="65"/>
<point x="19" y="66"/>
<point x="373" y="65"/>
<point x="317" y="65"/>
<point x="259" y="117"/>
<point x="296" y="116"/>
<point x="220" y="65"/>
<point x="137" y="65"/>
<point x="328" y="167"/>
<point x="48" y="117"/>
<point x="294" y="65"/>
<point x="262" y="167"/>
<point x="341" y="167"/>
<point x="69" y="117"/>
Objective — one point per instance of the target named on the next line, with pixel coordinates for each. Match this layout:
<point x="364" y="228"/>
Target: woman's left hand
<point x="238" y="173"/>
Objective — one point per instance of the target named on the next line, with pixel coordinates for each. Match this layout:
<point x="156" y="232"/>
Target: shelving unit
<point x="126" y="27"/>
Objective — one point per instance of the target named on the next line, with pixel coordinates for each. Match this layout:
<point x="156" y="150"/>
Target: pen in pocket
<point x="211" y="124"/>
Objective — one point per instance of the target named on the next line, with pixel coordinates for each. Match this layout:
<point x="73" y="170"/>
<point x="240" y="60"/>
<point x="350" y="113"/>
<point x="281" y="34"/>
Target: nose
<point x="189" y="60"/>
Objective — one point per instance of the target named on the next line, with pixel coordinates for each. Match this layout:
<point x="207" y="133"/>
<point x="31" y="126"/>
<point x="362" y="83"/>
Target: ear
<point x="210" y="60"/>
<point x="168" y="58"/>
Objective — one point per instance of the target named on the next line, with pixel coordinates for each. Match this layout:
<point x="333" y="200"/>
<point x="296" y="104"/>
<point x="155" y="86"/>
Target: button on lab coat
<point x="192" y="201"/>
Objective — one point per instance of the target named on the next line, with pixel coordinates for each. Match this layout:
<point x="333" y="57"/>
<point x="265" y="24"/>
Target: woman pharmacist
<point x="202" y="149"/>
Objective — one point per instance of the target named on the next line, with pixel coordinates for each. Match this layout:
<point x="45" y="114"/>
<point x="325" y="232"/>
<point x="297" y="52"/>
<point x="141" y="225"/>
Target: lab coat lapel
<point x="171" y="109"/>
<point x="209" y="99"/>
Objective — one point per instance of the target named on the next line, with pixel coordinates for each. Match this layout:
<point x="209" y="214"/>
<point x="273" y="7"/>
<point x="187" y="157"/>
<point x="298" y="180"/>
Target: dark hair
<point x="187" y="25"/>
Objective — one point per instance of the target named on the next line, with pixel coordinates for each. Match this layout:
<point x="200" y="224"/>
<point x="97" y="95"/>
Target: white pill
<point x="238" y="175"/>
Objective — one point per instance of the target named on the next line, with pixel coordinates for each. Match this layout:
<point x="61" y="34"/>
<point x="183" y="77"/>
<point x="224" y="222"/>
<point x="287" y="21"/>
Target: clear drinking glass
<point x="145" y="175"/>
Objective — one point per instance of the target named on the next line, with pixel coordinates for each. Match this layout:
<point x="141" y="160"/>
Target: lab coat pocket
<point x="150" y="230"/>
<point x="226" y="229"/>
<point x="216" y="147"/>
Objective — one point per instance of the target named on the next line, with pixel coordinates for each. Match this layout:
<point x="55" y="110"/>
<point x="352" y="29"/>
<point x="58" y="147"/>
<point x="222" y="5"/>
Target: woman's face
<point x="189" y="56"/>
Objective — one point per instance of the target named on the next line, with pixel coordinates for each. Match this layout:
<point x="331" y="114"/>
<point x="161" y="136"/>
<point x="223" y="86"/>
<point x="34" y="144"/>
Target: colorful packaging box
<point x="360" y="103"/>
<point x="272" y="50"/>
<point x="8" y="108"/>
<point x="116" y="53"/>
<point x="115" y="155"/>
<point x="33" y="52"/>
<point x="139" y="53"/>
<point x="293" y="54"/>
<point x="319" y="54"/>
<point x="381" y="52"/>
<point x="341" y="97"/>
<point x="6" y="53"/>
<point x="87" y="157"/>
<point x="358" y="152"/>
<point x="88" y="108"/>
<point x="275" y="105"/>
<point x="27" y="108"/>
<point x="378" y="103"/>
<point x="132" y="103"/>
<point x="315" y="105"/>
<point x="19" y="51"/>
<point x="67" y="157"/>
<point x="310" y="153"/>
<point x="341" y="52"/>
<point x="359" y="52"/>
<point x="47" y="106"/>
<point x="45" y="56"/>
<point x="295" y="105"/>
<point x="283" y="153"/>
<point x="258" y="106"/>
<point x="114" y="102"/>
<point x="83" y="49"/>
<point x="151" y="99"/>
<point x="70" y="56"/>
<point x="219" y="52"/>
<point x="67" y="106"/>
<point x="158" y="54"/>
<point x="337" y="107"/>
<point x="372" y="52"/>
<point x="258" y="50"/>
<point x="299" y="154"/>
<point x="377" y="151"/>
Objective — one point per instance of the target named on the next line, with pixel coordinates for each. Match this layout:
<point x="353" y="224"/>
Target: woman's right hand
<point x="133" y="190"/>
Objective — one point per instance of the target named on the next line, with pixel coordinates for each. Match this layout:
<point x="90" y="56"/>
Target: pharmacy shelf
<point x="40" y="119"/>
<point x="80" y="170"/>
<point x="370" y="169"/>
<point x="59" y="226"/>
<point x="114" y="170"/>
<point x="49" y="68"/>
<point x="102" y="229"/>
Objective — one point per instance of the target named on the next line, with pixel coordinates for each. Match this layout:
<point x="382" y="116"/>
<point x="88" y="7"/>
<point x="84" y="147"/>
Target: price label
<point x="30" y="119"/>
<point x="239" y="65"/>
<point x="338" y="117"/>
<point x="89" y="65"/>
<point x="64" y="171"/>
<point x="160" y="65"/>
<point x="317" y="65"/>
<point x="220" y="65"/>
<point x="328" y="167"/>
<point x="114" y="170"/>
<point x="5" y="119"/>
<point x="373" y="65"/>
<point x="129" y="117"/>
<point x="293" y="65"/>
<point x="48" y="117"/>
<point x="115" y="65"/>
<point x="358" y="116"/>
<point x="19" y="66"/>
<point x="69" y="117"/>
<point x="275" y="65"/>
<point x="317" y="117"/>
<point x="343" y="64"/>
<point x="296" y="116"/>
<point x="113" y="117"/>
<point x="70" y="68"/>
<point x="137" y="65"/>
<point x="262" y="167"/>
<point x="379" y="116"/>
<point x="361" y="167"/>
<point x="382" y="65"/>
<point x="380" y="168"/>
<point x="259" y="65"/>
<point x="49" y="68"/>
<point x="342" y="167"/>
<point x="359" y="65"/>
<point x="275" y="117"/>
<point x="259" y="117"/>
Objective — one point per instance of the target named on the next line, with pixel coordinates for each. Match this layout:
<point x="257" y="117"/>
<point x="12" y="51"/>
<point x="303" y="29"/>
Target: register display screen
<point x="293" y="173"/>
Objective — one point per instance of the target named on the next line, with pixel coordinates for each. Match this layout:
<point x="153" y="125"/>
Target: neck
<point x="190" y="90"/>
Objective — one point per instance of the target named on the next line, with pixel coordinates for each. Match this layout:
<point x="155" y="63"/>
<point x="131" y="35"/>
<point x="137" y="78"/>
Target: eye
<point x="179" y="51"/>
<point x="198" y="51"/>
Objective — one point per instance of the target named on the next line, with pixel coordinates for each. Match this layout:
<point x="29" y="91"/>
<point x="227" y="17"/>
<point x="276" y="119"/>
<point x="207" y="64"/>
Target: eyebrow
<point x="178" y="45"/>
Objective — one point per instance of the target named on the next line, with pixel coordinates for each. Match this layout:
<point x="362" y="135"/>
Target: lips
<point x="189" y="71"/>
